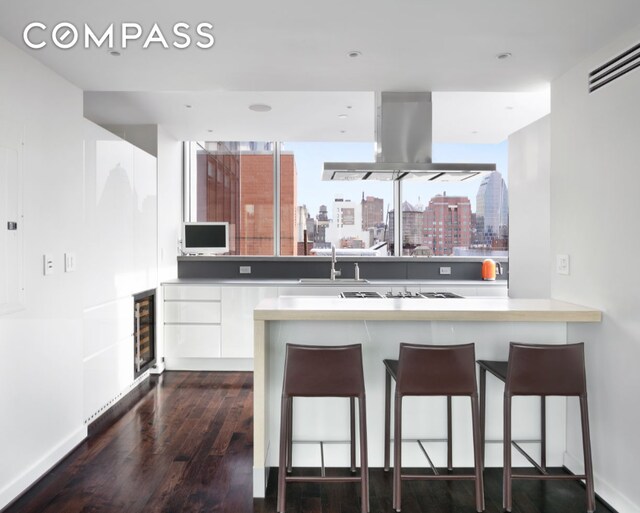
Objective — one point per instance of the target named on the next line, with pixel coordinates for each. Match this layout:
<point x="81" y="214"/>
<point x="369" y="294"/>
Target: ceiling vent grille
<point x="615" y="68"/>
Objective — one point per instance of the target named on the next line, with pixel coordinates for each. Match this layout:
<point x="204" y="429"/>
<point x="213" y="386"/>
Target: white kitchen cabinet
<point x="209" y="327"/>
<point x="193" y="341"/>
<point x="192" y="312"/>
<point x="192" y="292"/>
<point x="237" y="318"/>
<point x="192" y="324"/>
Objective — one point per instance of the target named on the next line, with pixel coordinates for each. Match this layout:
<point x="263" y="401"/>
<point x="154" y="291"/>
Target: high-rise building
<point x="447" y="224"/>
<point x="492" y="212"/>
<point x="372" y="211"/>
<point x="346" y="221"/>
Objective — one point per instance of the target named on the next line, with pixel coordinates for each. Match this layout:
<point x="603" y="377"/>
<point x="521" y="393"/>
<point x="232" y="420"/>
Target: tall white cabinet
<point x="118" y="260"/>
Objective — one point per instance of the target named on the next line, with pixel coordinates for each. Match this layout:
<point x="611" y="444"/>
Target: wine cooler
<point x="144" y="349"/>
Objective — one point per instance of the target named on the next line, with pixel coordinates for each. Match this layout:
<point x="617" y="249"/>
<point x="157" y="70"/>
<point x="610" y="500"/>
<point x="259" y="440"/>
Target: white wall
<point x="529" y="204"/>
<point x="41" y="345"/>
<point x="595" y="208"/>
<point x="67" y="353"/>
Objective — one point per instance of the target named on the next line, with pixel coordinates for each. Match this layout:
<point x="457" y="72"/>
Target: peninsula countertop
<point x="493" y="309"/>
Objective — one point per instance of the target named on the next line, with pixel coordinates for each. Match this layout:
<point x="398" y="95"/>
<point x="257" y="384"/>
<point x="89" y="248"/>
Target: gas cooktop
<point x="401" y="295"/>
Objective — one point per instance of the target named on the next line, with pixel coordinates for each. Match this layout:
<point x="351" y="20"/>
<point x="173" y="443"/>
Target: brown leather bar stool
<point x="323" y="371"/>
<point x="546" y="370"/>
<point x="432" y="371"/>
<point x="499" y="370"/>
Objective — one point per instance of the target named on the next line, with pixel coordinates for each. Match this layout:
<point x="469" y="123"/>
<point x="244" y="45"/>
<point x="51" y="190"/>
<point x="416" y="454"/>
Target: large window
<point x="234" y="182"/>
<point x="468" y="218"/>
<point x="274" y="198"/>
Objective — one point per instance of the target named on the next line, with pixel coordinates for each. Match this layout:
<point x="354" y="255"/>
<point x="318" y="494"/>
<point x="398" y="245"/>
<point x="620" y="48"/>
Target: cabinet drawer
<point x="196" y="312"/>
<point x="192" y="341"/>
<point x="192" y="292"/>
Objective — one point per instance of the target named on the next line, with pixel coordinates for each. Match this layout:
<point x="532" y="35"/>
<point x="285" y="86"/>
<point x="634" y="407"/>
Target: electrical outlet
<point x="47" y="261"/>
<point x="69" y="262"/>
<point x="445" y="270"/>
<point x="562" y="264"/>
<point x="245" y="269"/>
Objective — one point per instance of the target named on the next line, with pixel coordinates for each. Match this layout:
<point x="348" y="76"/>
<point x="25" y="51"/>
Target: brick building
<point x="236" y="185"/>
<point x="447" y="224"/>
<point x="372" y="211"/>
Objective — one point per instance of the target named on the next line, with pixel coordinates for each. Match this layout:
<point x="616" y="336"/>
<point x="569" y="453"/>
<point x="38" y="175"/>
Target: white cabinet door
<point x="192" y="312"/>
<point x="192" y="341"/>
<point x="145" y="220"/>
<point x="237" y="318"/>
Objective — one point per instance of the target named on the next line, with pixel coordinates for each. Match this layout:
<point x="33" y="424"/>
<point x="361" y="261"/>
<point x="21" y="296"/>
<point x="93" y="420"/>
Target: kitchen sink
<point x="329" y="281"/>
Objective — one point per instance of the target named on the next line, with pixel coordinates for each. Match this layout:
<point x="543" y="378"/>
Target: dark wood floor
<point x="186" y="446"/>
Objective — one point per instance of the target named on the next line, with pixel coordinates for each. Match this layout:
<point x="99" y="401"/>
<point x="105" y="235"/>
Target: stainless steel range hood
<point x="403" y="140"/>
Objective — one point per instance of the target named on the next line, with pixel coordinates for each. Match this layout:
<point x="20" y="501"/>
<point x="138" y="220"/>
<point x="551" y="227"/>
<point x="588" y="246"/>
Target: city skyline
<point x="313" y="192"/>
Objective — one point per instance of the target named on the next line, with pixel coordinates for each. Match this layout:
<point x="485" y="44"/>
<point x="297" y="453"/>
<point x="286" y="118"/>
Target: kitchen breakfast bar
<point x="380" y="325"/>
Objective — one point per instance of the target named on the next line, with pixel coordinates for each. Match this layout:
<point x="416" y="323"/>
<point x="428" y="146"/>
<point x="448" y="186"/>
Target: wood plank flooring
<point x="186" y="446"/>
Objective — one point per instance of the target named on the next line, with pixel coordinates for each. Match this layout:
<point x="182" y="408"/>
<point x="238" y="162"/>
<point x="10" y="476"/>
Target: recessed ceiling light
<point x="354" y="53"/>
<point x="188" y="106"/>
<point x="343" y="116"/>
<point x="349" y="107"/>
<point x="503" y="55"/>
<point x="209" y="130"/>
<point x="260" y="107"/>
<point x="115" y="53"/>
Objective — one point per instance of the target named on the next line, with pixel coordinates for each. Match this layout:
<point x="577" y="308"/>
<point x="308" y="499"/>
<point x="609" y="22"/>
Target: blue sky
<point x="313" y="192"/>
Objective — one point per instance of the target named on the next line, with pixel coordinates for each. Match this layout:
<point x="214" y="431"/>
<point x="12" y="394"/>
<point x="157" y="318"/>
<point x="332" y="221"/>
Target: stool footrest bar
<point x="532" y="477"/>
<point x="326" y="479"/>
<point x="439" y="477"/>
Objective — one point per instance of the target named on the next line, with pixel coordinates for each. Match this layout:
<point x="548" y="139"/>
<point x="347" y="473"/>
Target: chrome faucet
<point x="334" y="260"/>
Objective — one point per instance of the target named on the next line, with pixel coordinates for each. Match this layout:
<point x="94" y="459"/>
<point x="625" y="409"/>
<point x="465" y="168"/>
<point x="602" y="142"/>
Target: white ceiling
<point x="292" y="47"/>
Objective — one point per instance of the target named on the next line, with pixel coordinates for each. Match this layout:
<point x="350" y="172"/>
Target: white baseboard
<point x="605" y="491"/>
<point x="21" y="483"/>
<point x="209" y="364"/>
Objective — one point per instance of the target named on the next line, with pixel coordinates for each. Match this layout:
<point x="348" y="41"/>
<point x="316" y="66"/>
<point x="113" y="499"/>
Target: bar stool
<point x="546" y="370"/>
<point x="499" y="370"/>
<point x="323" y="371"/>
<point x="432" y="371"/>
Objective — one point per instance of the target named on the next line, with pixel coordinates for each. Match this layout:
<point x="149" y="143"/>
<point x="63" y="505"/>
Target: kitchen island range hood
<point x="403" y="142"/>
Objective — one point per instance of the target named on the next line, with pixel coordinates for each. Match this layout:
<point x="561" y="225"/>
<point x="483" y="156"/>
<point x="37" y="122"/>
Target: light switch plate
<point x="445" y="270"/>
<point x="245" y="269"/>
<point x="562" y="264"/>
<point x="69" y="262"/>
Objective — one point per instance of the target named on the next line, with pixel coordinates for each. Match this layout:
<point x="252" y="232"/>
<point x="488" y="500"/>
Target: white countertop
<point x="338" y="283"/>
<point x="294" y="308"/>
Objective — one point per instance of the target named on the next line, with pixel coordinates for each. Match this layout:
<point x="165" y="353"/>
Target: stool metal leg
<point x="387" y="420"/>
<point x="352" y="415"/>
<point x="477" y="454"/>
<point x="586" y="449"/>
<point x="506" y="486"/>
<point x="449" y="436"/>
<point x="364" y="463"/>
<point x="483" y="412"/>
<point x="290" y="436"/>
<point x="397" y="454"/>
<point x="284" y="446"/>
<point x="543" y="432"/>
